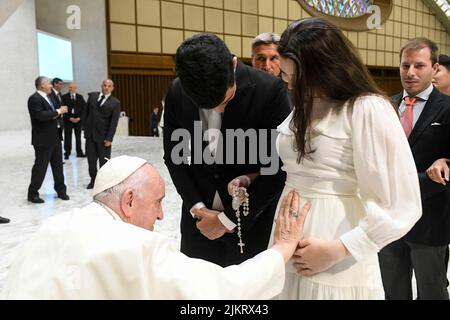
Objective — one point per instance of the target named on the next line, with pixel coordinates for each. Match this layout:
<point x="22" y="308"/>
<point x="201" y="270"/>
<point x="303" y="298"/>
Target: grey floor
<point x="16" y="160"/>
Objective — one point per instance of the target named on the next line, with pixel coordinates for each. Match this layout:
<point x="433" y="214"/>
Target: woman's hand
<point x="289" y="225"/>
<point x="317" y="255"/>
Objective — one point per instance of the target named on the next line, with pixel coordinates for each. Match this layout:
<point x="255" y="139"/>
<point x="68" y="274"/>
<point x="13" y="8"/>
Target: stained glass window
<point x="341" y="8"/>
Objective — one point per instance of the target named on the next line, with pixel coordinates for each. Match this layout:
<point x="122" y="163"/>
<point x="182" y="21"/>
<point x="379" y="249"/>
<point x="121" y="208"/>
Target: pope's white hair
<point x="134" y="182"/>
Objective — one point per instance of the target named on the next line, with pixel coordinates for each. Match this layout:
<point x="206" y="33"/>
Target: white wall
<point x="89" y="43"/>
<point x="18" y="63"/>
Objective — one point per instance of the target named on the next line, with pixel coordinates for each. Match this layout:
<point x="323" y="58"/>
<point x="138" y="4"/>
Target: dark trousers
<point x="154" y="132"/>
<point x="96" y="151"/>
<point x="400" y="258"/>
<point x="44" y="156"/>
<point x="68" y="128"/>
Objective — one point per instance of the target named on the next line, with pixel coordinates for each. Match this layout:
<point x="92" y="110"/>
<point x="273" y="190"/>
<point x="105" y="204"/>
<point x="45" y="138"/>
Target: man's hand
<point x="209" y="224"/>
<point x="242" y="183"/>
<point x="63" y="110"/>
<point x="317" y="255"/>
<point x="107" y="143"/>
<point x="439" y="171"/>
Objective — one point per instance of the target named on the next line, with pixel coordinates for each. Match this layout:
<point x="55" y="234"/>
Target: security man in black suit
<point x="102" y="117"/>
<point x="216" y="90"/>
<point x="425" y="116"/>
<point x="72" y="120"/>
<point x="56" y="99"/>
<point x="45" y="140"/>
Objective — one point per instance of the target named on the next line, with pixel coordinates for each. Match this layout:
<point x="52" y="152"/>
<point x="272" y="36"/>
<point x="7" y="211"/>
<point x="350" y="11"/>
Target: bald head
<point x="73" y="87"/>
<point x="107" y="87"/>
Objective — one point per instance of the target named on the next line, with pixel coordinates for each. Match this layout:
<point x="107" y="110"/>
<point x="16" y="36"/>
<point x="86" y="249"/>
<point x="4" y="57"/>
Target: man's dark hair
<point x="39" y="80"/>
<point x="444" y="60"/>
<point x="205" y="68"/>
<point x="420" y="43"/>
<point x="56" y="80"/>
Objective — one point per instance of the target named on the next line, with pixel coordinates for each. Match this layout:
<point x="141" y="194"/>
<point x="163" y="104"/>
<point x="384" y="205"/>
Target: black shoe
<point x="81" y="155"/>
<point x="4" y="220"/>
<point x="63" y="196"/>
<point x="91" y="185"/>
<point x="66" y="157"/>
<point x="35" y="199"/>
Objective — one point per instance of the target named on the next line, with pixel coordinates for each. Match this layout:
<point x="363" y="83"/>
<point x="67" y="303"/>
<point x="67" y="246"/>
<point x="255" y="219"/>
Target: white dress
<point x="363" y="186"/>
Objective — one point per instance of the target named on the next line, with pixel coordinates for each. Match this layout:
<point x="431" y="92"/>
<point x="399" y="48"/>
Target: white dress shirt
<point x="45" y="96"/>
<point x="104" y="100"/>
<point x="213" y="121"/>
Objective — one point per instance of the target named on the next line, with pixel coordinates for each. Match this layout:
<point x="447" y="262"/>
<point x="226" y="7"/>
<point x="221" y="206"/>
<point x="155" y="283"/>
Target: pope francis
<point x="107" y="250"/>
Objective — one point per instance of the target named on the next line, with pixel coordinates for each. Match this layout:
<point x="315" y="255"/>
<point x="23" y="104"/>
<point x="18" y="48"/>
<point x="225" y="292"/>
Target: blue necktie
<point x="50" y="102"/>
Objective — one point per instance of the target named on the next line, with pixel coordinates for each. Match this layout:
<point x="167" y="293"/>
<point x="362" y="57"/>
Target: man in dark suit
<point x="45" y="140"/>
<point x="425" y="116"/>
<point x="215" y="91"/>
<point x="154" y="129"/>
<point x="72" y="120"/>
<point x="100" y="125"/>
<point x="56" y="99"/>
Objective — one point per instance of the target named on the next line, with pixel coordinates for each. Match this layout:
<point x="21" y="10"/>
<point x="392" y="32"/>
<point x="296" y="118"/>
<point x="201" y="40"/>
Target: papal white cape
<point x="90" y="253"/>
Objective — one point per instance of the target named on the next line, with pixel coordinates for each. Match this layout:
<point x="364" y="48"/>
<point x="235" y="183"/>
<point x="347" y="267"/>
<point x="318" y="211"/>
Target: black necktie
<point x="99" y="103"/>
<point x="73" y="97"/>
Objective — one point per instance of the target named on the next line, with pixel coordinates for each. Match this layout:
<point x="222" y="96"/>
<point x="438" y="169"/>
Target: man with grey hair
<point x="107" y="250"/>
<point x="264" y="53"/>
<point x="46" y="140"/>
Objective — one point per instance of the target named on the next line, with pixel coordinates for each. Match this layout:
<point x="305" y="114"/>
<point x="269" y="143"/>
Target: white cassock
<point x="91" y="253"/>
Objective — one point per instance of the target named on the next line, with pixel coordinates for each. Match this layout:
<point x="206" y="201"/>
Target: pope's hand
<point x="289" y="225"/>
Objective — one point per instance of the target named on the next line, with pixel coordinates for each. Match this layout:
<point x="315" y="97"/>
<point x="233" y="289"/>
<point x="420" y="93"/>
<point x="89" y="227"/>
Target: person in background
<point x="424" y="114"/>
<point x="45" y="140"/>
<point x="154" y="130"/>
<point x="56" y="98"/>
<point x="72" y="120"/>
<point x="264" y="53"/>
<point x="441" y="79"/>
<point x="100" y="124"/>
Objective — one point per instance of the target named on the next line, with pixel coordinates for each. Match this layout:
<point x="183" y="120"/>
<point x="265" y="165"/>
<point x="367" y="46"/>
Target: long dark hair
<point x="327" y="65"/>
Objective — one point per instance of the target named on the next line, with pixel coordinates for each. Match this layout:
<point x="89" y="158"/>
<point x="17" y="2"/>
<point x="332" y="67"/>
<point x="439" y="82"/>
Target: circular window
<point x="354" y="15"/>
